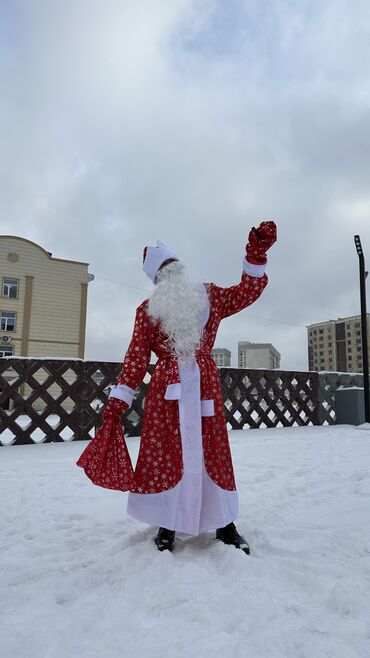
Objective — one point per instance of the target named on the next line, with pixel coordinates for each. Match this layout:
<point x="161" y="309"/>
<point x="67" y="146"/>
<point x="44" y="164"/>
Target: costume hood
<point x="154" y="257"/>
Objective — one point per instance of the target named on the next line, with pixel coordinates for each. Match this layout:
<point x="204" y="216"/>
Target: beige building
<point x="258" y="355"/>
<point x="336" y="344"/>
<point x="221" y="357"/>
<point x="43" y="301"/>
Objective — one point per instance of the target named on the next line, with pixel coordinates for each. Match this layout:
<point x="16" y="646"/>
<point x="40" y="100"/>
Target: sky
<point x="190" y="122"/>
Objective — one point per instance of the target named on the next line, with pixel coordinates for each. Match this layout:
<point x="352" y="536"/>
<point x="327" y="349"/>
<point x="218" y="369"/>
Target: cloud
<point x="125" y="122"/>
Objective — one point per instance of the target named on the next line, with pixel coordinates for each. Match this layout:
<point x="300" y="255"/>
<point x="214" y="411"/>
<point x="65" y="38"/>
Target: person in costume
<point x="184" y="479"/>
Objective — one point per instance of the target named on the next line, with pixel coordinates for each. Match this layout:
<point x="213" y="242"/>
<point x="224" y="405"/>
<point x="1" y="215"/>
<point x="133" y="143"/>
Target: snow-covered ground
<point x="79" y="579"/>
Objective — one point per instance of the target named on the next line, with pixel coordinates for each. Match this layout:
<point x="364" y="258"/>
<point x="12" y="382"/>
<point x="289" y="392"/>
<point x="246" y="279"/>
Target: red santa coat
<point x="159" y="466"/>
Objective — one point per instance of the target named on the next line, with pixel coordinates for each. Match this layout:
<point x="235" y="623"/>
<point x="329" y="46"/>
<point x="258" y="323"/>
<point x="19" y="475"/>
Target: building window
<point x="5" y="351"/>
<point x="10" y="288"/>
<point x="7" y="321"/>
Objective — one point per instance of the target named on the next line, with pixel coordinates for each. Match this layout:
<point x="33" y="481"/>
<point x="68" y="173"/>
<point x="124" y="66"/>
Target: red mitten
<point x="259" y="241"/>
<point x="114" y="408"/>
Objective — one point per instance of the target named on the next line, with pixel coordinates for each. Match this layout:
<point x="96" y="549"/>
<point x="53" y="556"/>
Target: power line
<point x="291" y="324"/>
<point x="257" y="317"/>
<point x="121" y="283"/>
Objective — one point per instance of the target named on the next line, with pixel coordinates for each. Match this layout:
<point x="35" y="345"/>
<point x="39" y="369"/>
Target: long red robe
<point x="159" y="466"/>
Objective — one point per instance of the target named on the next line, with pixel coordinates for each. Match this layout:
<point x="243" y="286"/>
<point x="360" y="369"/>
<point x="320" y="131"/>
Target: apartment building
<point x="43" y="301"/>
<point x="336" y="345"/>
<point x="221" y="357"/>
<point x="258" y="355"/>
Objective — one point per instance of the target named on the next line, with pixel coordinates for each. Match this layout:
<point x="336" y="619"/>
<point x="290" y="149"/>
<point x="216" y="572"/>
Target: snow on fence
<point x="43" y="400"/>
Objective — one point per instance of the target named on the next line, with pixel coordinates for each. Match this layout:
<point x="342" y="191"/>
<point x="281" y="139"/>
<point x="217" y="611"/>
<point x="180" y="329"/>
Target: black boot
<point x="230" y="535"/>
<point x="165" y="539"/>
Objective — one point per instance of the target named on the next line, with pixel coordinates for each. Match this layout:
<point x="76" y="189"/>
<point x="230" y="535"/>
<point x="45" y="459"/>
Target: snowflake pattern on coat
<point x="159" y="466"/>
<point x="106" y="460"/>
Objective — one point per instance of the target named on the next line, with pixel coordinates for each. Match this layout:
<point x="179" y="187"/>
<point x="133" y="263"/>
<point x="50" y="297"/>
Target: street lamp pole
<point x="365" y="358"/>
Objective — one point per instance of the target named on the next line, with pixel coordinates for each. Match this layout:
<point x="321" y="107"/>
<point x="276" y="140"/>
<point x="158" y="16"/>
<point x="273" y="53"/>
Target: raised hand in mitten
<point x="114" y="408"/>
<point x="259" y="241"/>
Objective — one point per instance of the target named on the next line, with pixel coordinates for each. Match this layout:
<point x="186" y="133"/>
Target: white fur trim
<point x="252" y="269"/>
<point x="155" y="256"/>
<point x="205" y="315"/>
<point x="207" y="407"/>
<point x="173" y="392"/>
<point x="179" y="305"/>
<point x="122" y="392"/>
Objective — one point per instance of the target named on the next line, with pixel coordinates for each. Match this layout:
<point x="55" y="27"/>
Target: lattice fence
<point x="43" y="400"/>
<point x="269" y="398"/>
<point x="329" y="383"/>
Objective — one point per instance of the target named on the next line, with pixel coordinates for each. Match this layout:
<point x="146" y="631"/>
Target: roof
<point x="48" y="254"/>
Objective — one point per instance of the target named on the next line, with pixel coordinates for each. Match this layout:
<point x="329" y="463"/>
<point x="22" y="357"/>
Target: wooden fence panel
<point x="269" y="398"/>
<point x="44" y="400"/>
<point x="329" y="383"/>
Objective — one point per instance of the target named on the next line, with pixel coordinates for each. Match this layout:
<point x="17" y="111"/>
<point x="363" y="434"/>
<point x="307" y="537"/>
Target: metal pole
<point x="365" y="358"/>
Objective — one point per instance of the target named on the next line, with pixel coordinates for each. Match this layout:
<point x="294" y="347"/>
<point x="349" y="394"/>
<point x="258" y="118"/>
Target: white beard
<point x="179" y="305"/>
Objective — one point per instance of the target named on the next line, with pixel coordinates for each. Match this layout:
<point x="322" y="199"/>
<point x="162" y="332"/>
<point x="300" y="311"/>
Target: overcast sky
<point x="126" y="121"/>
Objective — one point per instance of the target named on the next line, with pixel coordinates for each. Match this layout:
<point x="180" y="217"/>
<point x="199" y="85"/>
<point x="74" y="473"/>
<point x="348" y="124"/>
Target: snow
<point x="7" y="437"/>
<point x="337" y="372"/>
<point x="350" y="388"/>
<point x="44" y="358"/>
<point x="79" y="579"/>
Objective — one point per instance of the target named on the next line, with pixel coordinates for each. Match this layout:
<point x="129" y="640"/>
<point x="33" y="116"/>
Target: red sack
<point x="106" y="460"/>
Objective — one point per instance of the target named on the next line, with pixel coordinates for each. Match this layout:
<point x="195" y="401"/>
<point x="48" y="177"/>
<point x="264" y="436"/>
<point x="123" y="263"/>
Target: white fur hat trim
<point x="154" y="258"/>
